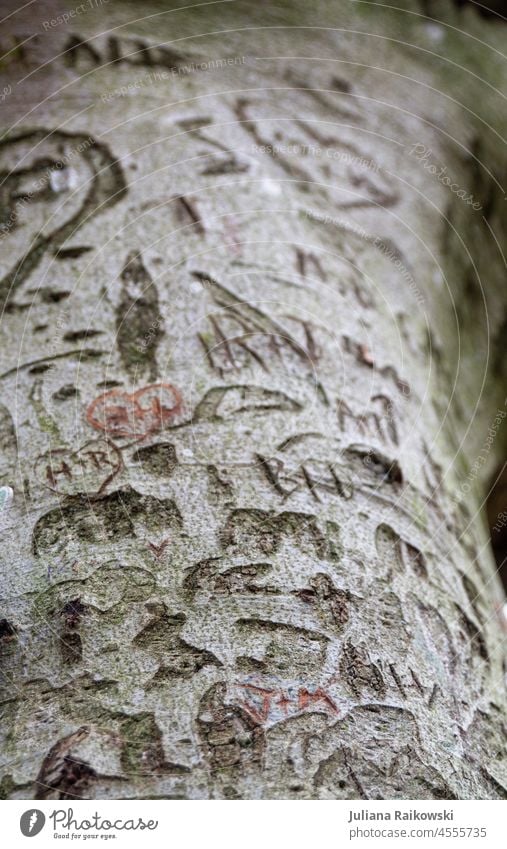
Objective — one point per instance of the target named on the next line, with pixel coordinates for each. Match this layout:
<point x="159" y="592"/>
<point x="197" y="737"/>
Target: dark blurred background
<point x="487" y="9"/>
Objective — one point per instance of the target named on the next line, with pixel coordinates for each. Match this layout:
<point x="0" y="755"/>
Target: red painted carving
<point x="158" y="550"/>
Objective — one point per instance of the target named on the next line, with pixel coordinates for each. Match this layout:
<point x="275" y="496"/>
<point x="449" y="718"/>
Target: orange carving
<point x="135" y="415"/>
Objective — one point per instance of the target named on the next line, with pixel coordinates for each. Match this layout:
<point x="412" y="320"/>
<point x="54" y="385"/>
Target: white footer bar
<point x="252" y="825"/>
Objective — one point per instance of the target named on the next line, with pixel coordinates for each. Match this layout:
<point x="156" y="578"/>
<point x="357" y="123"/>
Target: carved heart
<point x="88" y="470"/>
<point x="6" y="494"/>
<point x="134" y="415"/>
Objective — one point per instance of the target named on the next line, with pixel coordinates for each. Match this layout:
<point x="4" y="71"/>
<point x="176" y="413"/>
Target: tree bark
<point x="252" y="391"/>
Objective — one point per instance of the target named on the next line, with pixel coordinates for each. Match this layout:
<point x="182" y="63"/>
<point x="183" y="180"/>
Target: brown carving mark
<point x="392" y="549"/>
<point x="473" y="597"/>
<point x="242" y="320"/>
<point x="295" y="171"/>
<point x="143" y="749"/>
<point x="433" y="695"/>
<point x="298" y="438"/>
<point x="414" y="559"/>
<point x="287" y="648"/>
<point x="162" y="637"/>
<point x="150" y="55"/>
<point x="361" y="354"/>
<point x="187" y="211"/>
<point x="76" y="48"/>
<point x="48" y="295"/>
<point x="72" y="253"/>
<point x="303" y="260"/>
<point x="135" y="52"/>
<point x="363" y="297"/>
<point x="7" y="631"/>
<point x="221" y="403"/>
<point x="250" y="665"/>
<point x="139" y="325"/>
<point x="68" y="472"/>
<point x="359" y="672"/>
<point x="61" y="776"/>
<point x="397" y="680"/>
<point x="159" y="460"/>
<point x="105" y="188"/>
<point x="385" y="417"/>
<point x="230" y="736"/>
<point x="220" y="486"/>
<point x="322" y="98"/>
<point x="93" y="521"/>
<point x="437" y="634"/>
<point x="109" y="384"/>
<point x="314" y="350"/>
<point x="194" y="127"/>
<point x="266" y="696"/>
<point x="306" y="698"/>
<point x="365" y="355"/>
<point x="227" y="163"/>
<point x="379" y="196"/>
<point x="375" y="189"/>
<point x="373" y="467"/>
<point x="362" y="792"/>
<point x="206" y="577"/>
<point x="135" y="415"/>
<point x="283" y="702"/>
<point x="339" y="84"/>
<point x="313" y="475"/>
<point x="374" y="422"/>
<point x="158" y="550"/>
<point x="331" y="603"/>
<point x="380" y="193"/>
<point x="83" y="354"/>
<point x="79" y="335"/>
<point x="39" y="370"/>
<point x="223" y="341"/>
<point x="261" y="532"/>
<point x="266" y="701"/>
<point x="8" y="443"/>
<point x="473" y="635"/>
<point x="72" y="612"/>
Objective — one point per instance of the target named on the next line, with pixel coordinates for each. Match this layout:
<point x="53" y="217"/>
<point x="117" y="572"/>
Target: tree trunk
<point x="251" y="386"/>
